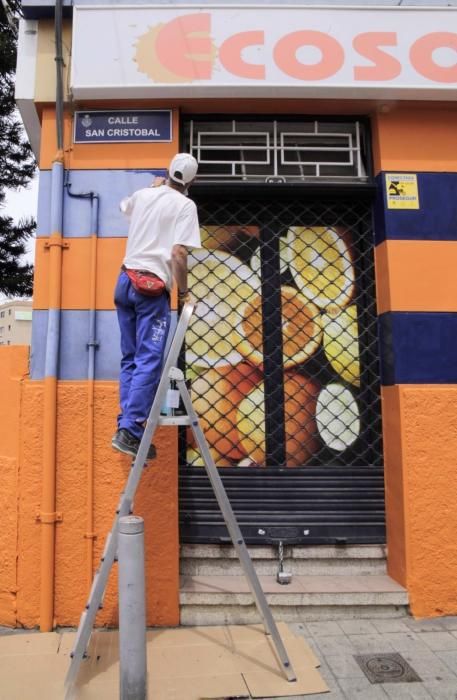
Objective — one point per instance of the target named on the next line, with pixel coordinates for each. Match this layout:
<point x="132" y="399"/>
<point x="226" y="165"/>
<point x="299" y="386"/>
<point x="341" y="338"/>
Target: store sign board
<point x="124" y="126"/>
<point x="400" y="52"/>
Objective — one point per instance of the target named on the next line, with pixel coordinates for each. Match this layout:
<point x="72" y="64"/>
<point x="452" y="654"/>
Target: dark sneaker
<point x="152" y="452"/>
<point x="127" y="443"/>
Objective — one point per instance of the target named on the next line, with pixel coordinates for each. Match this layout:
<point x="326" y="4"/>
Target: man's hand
<point x="158" y="181"/>
<point x="186" y="298"/>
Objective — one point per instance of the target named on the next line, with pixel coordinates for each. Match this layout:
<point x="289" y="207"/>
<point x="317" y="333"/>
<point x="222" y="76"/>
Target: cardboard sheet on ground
<point x="183" y="664"/>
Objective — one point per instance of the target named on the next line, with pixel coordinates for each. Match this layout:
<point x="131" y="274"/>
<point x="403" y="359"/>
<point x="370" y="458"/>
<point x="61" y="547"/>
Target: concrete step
<point x="209" y="560"/>
<point x="215" y="600"/>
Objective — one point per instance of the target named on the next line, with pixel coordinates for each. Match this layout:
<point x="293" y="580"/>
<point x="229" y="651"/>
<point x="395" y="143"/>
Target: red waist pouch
<point x="146" y="282"/>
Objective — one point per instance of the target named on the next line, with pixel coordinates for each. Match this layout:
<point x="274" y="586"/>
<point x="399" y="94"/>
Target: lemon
<point x="283" y="257"/>
<point x="221" y="283"/>
<point x="341" y="343"/>
<point x="251" y="424"/>
<point x="192" y="372"/>
<point x="194" y="458"/>
<point x="337" y="417"/>
<point x="208" y="338"/>
<point x="321" y="265"/>
<point x="220" y="274"/>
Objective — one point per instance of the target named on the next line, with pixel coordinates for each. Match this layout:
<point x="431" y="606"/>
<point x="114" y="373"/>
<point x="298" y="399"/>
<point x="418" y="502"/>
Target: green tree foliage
<point x="17" y="164"/>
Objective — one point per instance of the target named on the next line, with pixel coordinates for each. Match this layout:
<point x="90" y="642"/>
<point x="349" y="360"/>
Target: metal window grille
<point x="289" y="151"/>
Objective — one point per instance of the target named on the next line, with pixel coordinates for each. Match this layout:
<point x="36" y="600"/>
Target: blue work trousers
<point x="144" y="322"/>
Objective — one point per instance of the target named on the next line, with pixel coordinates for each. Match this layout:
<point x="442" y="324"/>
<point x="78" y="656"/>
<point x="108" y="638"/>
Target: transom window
<point x="278" y="150"/>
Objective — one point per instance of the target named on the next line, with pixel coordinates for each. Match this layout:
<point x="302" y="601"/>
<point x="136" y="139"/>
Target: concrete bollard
<point x="132" y="613"/>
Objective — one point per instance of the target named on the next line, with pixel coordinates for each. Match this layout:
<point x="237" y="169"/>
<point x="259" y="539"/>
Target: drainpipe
<point x="48" y="516"/>
<point x="92" y="345"/>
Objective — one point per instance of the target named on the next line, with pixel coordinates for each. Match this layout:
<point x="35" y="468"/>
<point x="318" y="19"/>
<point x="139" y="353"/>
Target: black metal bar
<point x="242" y="191"/>
<point x="369" y="395"/>
<point x="275" y="438"/>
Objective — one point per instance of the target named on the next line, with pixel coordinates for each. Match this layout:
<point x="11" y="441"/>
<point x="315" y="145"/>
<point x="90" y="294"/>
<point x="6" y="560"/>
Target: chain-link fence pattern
<point x="282" y="351"/>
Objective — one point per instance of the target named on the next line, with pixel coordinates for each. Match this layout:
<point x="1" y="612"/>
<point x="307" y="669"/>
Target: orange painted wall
<point x="416" y="138"/>
<point x="76" y="273"/>
<point x="396" y="526"/>
<point x="103" y="155"/>
<point x="405" y="136"/>
<point x="419" y="421"/>
<point x="156" y="502"/>
<point x="421" y="494"/>
<point x="21" y="446"/>
<point x="13" y="370"/>
<point x="416" y="276"/>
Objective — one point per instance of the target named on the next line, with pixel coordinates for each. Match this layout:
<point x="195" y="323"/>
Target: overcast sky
<point x="23" y="203"/>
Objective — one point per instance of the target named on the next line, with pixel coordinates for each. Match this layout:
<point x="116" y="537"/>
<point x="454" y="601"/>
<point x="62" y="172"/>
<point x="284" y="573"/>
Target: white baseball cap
<point x="183" y="168"/>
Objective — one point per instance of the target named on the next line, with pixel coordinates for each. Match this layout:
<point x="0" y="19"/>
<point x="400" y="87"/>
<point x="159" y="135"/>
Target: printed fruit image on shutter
<point x="279" y="296"/>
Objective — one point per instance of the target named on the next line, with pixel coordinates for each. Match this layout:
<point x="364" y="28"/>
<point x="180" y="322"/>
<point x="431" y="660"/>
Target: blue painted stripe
<point x="110" y="185"/>
<point x="73" y="361"/>
<point x="435" y="220"/>
<point x="44" y="204"/>
<point x="56" y="208"/>
<point x="50" y="342"/>
<point x="418" y="348"/>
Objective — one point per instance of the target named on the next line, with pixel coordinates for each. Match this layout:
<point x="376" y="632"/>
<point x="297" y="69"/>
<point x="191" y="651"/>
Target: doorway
<point x="282" y="355"/>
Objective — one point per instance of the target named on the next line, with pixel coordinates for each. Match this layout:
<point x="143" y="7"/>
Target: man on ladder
<point x="125" y="507"/>
<point x="163" y="225"/>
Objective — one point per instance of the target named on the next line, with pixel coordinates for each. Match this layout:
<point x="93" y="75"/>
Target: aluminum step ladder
<point x="125" y="507"/>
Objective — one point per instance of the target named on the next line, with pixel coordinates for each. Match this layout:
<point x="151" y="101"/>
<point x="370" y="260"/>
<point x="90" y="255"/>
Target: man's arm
<point x="158" y="181"/>
<point x="186" y="235"/>
<point x="179" y="269"/>
<point x="126" y="205"/>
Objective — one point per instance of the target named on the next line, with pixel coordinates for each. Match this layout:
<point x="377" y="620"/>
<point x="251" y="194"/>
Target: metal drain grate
<point x="387" y="668"/>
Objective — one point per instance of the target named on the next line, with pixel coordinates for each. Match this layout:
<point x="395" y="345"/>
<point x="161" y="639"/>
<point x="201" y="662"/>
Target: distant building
<point x="15" y="322"/>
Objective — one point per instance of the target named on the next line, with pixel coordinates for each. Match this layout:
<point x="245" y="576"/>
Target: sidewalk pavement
<point x="429" y="647"/>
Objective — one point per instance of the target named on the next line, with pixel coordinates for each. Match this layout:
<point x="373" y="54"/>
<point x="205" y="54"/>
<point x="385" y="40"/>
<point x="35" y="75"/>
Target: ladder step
<point x="174" y="420"/>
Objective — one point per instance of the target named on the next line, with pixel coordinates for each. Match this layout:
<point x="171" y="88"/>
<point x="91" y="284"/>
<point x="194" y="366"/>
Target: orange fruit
<point x="212" y="237"/>
<point x="321" y="265"/>
<point x="300" y="395"/>
<point x="301" y="329"/>
<point x="226" y="238"/>
<point x="216" y="394"/>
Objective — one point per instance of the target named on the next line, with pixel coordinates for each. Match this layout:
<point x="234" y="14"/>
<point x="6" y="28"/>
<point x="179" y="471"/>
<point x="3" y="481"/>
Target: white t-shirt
<point x="160" y="217"/>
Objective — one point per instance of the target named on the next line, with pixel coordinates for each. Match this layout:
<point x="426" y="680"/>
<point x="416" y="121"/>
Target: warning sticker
<point x="402" y="191"/>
